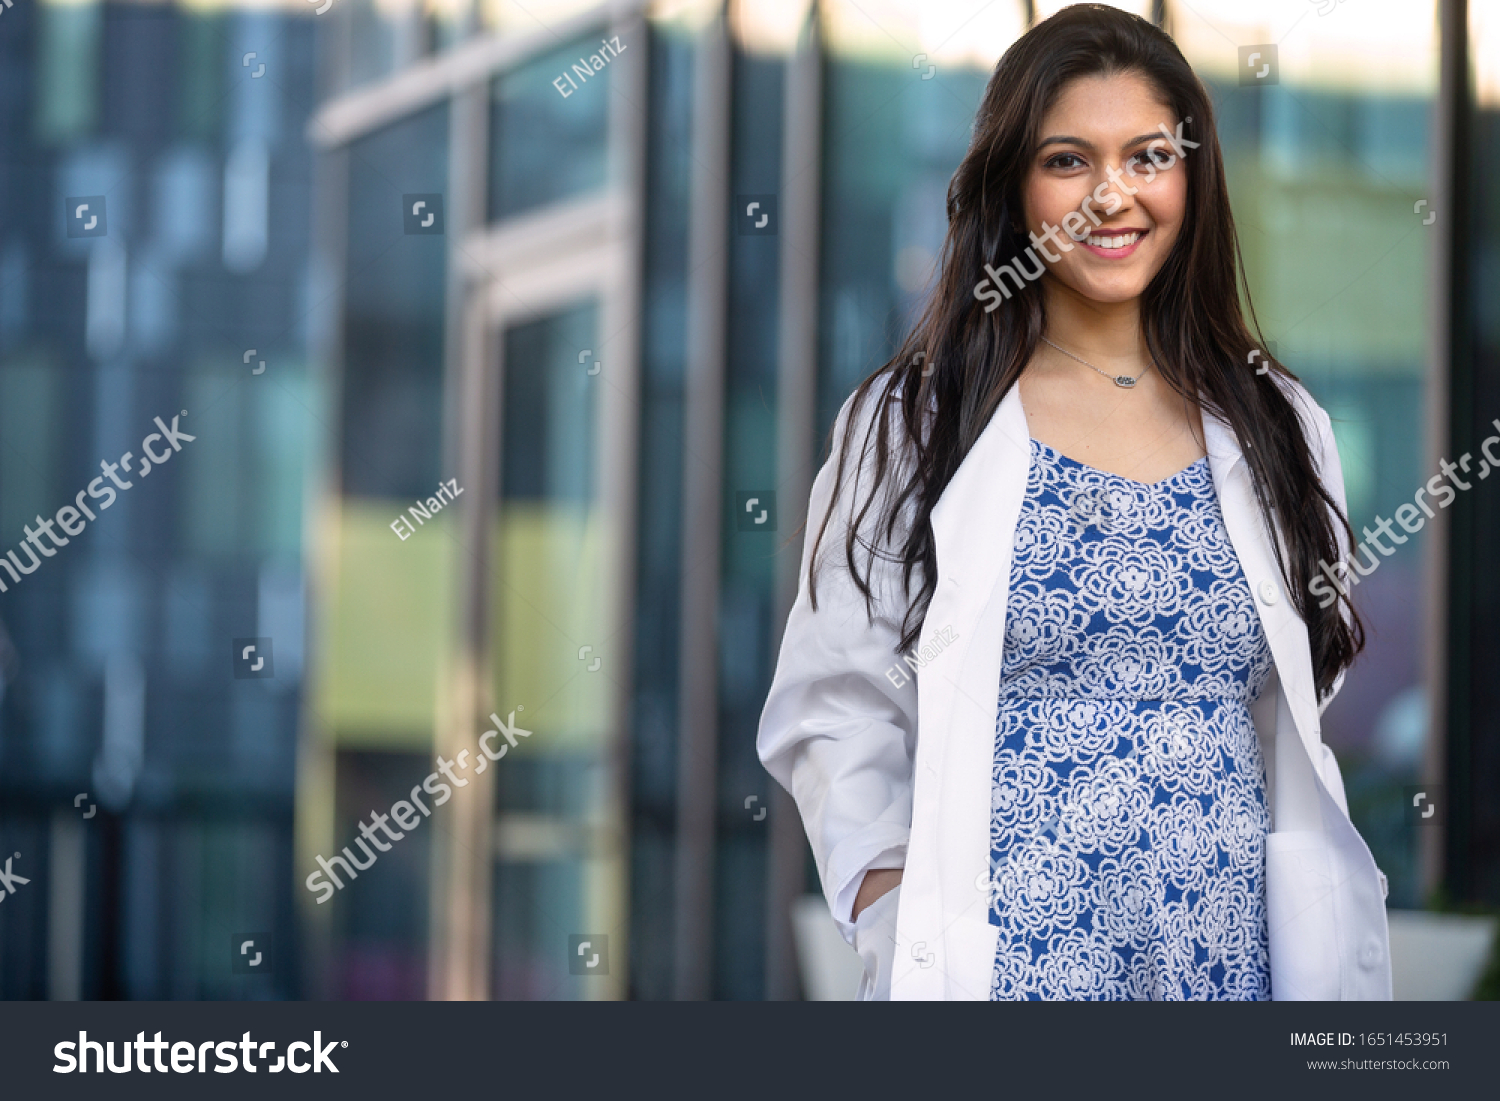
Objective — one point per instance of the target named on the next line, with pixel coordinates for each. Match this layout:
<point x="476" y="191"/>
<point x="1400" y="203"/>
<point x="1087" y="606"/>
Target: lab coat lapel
<point x="1284" y="629"/>
<point x="945" y="943"/>
<point x="1320" y="878"/>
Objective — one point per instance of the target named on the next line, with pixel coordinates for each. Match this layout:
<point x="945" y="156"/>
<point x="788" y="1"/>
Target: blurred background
<point x="605" y="273"/>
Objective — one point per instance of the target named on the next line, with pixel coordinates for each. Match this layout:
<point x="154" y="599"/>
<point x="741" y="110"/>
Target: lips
<point x="1114" y="244"/>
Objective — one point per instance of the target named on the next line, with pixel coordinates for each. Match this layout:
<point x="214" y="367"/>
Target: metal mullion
<point x="317" y="748"/>
<point x="703" y="446"/>
<point x="619" y="455"/>
<point x="350" y="116"/>
<point x="462" y="867"/>
<point x="1445" y="626"/>
<point x="796" y="407"/>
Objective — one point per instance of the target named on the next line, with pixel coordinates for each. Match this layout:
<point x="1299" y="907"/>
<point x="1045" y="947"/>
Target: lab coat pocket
<point x="1300" y="917"/>
<point x="875" y="941"/>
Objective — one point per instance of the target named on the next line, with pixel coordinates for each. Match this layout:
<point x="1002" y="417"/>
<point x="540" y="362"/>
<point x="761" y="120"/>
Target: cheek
<point x="1047" y="201"/>
<point x="1168" y="202"/>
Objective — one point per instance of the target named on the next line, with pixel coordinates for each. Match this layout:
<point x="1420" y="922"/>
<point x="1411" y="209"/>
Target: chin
<point x="1112" y="292"/>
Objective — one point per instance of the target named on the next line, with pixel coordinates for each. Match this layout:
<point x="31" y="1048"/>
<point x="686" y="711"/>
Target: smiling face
<point x="1100" y="141"/>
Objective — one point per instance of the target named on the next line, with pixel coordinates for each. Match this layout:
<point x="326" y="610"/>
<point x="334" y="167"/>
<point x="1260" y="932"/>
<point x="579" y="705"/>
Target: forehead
<point x="1114" y="107"/>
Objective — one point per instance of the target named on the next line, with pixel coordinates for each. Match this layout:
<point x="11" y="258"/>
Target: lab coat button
<point x="1371" y="955"/>
<point x="1269" y="592"/>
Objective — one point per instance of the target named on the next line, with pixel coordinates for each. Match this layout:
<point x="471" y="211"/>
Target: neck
<point x="1106" y="330"/>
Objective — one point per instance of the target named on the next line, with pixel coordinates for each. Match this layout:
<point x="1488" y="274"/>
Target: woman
<point x="1081" y="484"/>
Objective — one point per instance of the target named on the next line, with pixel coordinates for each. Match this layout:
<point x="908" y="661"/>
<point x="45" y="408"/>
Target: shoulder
<point x="880" y="393"/>
<point x="872" y="421"/>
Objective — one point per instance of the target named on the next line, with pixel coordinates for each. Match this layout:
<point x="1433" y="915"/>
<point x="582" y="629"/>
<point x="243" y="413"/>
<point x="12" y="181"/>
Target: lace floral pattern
<point x="1128" y="817"/>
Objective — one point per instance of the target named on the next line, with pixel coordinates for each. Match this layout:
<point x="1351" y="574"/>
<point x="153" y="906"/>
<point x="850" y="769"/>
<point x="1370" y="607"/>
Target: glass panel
<point x="388" y="601"/>
<point x="890" y="147"/>
<point x="936" y="36"/>
<point x="373" y="33"/>
<point x="202" y="44"/>
<point x="548" y="411"/>
<point x="115" y="662"/>
<point x="547" y="127"/>
<point x="31" y="404"/>
<point x="380" y="924"/>
<point x="385" y="618"/>
<point x="67" y="70"/>
<point x="393" y="322"/>
<point x="550" y="653"/>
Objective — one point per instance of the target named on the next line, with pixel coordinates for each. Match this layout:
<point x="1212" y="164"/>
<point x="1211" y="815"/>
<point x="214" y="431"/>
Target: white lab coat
<point x="889" y="774"/>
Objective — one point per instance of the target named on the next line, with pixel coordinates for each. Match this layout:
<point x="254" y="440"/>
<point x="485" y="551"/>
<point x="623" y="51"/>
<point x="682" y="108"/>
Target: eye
<point x="1160" y="157"/>
<point x="1064" y="160"/>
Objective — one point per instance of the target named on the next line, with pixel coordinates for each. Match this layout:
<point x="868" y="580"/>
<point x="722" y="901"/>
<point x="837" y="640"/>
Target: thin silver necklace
<point x="1122" y="381"/>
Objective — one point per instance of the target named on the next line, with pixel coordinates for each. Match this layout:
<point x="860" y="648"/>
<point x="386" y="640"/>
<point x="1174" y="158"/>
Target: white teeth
<point x="1114" y="242"/>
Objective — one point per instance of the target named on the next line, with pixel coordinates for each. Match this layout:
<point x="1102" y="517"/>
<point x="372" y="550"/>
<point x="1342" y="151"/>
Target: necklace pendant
<point x="1126" y="381"/>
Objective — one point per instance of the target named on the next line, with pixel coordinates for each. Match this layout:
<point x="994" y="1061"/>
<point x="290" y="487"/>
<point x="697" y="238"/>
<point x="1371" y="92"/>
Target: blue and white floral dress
<point x="1129" y="816"/>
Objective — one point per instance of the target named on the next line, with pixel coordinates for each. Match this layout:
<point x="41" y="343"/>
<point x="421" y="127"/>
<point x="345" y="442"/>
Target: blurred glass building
<point x="510" y="338"/>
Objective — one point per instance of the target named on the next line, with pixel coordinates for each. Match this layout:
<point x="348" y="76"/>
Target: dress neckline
<point x="1111" y="474"/>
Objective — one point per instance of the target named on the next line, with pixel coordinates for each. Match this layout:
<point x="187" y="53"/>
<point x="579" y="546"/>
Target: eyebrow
<point x="1068" y="139"/>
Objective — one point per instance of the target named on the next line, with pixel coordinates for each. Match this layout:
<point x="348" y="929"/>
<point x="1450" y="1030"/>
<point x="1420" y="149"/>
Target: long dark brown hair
<point x="938" y="392"/>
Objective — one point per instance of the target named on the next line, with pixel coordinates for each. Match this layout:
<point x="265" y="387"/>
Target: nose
<point x="1104" y="185"/>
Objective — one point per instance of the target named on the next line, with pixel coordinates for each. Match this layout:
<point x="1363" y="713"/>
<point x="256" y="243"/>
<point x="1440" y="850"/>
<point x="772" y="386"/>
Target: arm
<point x="876" y="883"/>
<point x="839" y="727"/>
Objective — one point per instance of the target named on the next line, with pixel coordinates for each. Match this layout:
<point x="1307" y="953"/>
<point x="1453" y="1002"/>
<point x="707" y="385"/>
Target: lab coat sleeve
<point x="839" y="726"/>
